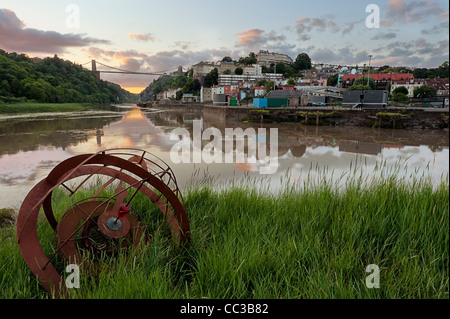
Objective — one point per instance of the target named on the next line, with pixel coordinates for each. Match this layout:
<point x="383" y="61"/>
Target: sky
<point x="156" y="36"/>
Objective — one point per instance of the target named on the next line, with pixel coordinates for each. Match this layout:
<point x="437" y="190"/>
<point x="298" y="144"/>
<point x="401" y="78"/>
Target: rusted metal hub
<point x="99" y="224"/>
<point x="113" y="226"/>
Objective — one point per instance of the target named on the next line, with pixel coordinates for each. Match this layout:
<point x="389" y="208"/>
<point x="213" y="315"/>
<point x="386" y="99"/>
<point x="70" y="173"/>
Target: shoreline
<point x="390" y="117"/>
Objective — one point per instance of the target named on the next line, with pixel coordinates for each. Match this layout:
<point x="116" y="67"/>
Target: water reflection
<point x="31" y="147"/>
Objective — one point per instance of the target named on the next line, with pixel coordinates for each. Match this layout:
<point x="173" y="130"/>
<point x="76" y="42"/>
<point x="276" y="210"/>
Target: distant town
<point x="297" y="82"/>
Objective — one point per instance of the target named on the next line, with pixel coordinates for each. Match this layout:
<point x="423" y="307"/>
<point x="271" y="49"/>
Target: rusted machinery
<point x="99" y="224"/>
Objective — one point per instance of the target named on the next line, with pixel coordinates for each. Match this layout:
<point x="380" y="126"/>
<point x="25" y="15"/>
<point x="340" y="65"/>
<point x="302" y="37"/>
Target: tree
<point x="401" y="89"/>
<point x="54" y="80"/>
<point x="291" y="82"/>
<point x="251" y="59"/>
<point x="359" y="87"/>
<point x="212" y="78"/>
<point x="269" y="85"/>
<point x="421" y="73"/>
<point x="239" y="71"/>
<point x="425" y="91"/>
<point x="443" y="71"/>
<point x="302" y="62"/>
<point x="227" y="59"/>
<point x="261" y="82"/>
<point x="399" y="97"/>
<point x="362" y="82"/>
<point x="333" y="80"/>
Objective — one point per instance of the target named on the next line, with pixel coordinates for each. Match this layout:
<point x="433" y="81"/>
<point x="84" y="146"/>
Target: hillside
<point x="53" y="80"/>
<point x="153" y="88"/>
<point x="183" y="80"/>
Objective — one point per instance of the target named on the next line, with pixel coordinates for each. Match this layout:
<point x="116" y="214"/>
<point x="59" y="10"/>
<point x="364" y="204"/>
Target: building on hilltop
<point x="233" y="79"/>
<point x="203" y="68"/>
<point x="266" y="58"/>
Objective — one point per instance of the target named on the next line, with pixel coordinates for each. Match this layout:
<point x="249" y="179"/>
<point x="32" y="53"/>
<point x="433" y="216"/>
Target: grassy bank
<point x="309" y="243"/>
<point x="14" y="108"/>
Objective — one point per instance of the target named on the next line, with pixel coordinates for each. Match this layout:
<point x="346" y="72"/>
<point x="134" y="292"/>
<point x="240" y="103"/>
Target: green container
<point x="426" y="104"/>
<point x="277" y="102"/>
<point x="233" y="101"/>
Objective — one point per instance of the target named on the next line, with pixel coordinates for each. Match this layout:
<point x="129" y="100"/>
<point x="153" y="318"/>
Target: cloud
<point x="417" y="53"/>
<point x="182" y="44"/>
<point x="412" y="11"/>
<point x="349" y="26"/>
<point x="254" y="40"/>
<point x="250" y="38"/>
<point x="142" y="37"/>
<point x="344" y="56"/>
<point x="436" y="29"/>
<point x="384" y="36"/>
<point x="386" y="23"/>
<point x="304" y="26"/>
<point x="14" y="36"/>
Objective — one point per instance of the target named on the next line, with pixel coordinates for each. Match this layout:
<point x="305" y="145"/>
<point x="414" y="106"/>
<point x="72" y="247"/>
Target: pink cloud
<point x="386" y="23"/>
<point x="412" y="11"/>
<point x="14" y="36"/>
<point x="142" y="37"/>
<point x="250" y="37"/>
<point x="303" y="20"/>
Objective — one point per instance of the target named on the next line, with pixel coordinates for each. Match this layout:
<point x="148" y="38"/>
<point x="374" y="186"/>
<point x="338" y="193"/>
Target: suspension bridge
<point x="111" y="69"/>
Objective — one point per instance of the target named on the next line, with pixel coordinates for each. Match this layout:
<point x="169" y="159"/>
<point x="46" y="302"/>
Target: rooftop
<point x="285" y="94"/>
<point x="381" y="76"/>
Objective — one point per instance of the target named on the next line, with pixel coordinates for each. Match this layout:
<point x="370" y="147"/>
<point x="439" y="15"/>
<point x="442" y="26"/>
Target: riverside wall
<point x="398" y="118"/>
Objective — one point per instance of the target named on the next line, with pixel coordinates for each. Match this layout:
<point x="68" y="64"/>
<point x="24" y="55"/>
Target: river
<point x="31" y="145"/>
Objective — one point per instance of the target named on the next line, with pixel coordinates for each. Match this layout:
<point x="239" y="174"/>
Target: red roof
<point x="381" y="76"/>
<point x="438" y="83"/>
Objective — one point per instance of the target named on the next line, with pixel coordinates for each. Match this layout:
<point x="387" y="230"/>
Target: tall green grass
<point x="313" y="241"/>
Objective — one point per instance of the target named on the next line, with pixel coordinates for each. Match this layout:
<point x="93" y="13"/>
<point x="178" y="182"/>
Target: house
<point x="441" y="86"/>
<point x="202" y="68"/>
<point x="206" y="95"/>
<point x="253" y="70"/>
<point x="410" y="85"/>
<point x="381" y="79"/>
<point x="218" y="89"/>
<point x="259" y="91"/>
<point x="323" y="94"/>
<point x="189" y="98"/>
<point x="293" y="96"/>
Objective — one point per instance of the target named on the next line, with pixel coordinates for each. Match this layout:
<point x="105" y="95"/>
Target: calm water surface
<point x="31" y="145"/>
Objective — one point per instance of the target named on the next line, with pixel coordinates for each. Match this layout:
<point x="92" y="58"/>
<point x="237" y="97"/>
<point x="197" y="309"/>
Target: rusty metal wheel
<point x="99" y="225"/>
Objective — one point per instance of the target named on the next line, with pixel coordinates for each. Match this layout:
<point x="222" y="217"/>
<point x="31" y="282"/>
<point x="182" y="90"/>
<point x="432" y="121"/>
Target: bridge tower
<point x="94" y="70"/>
